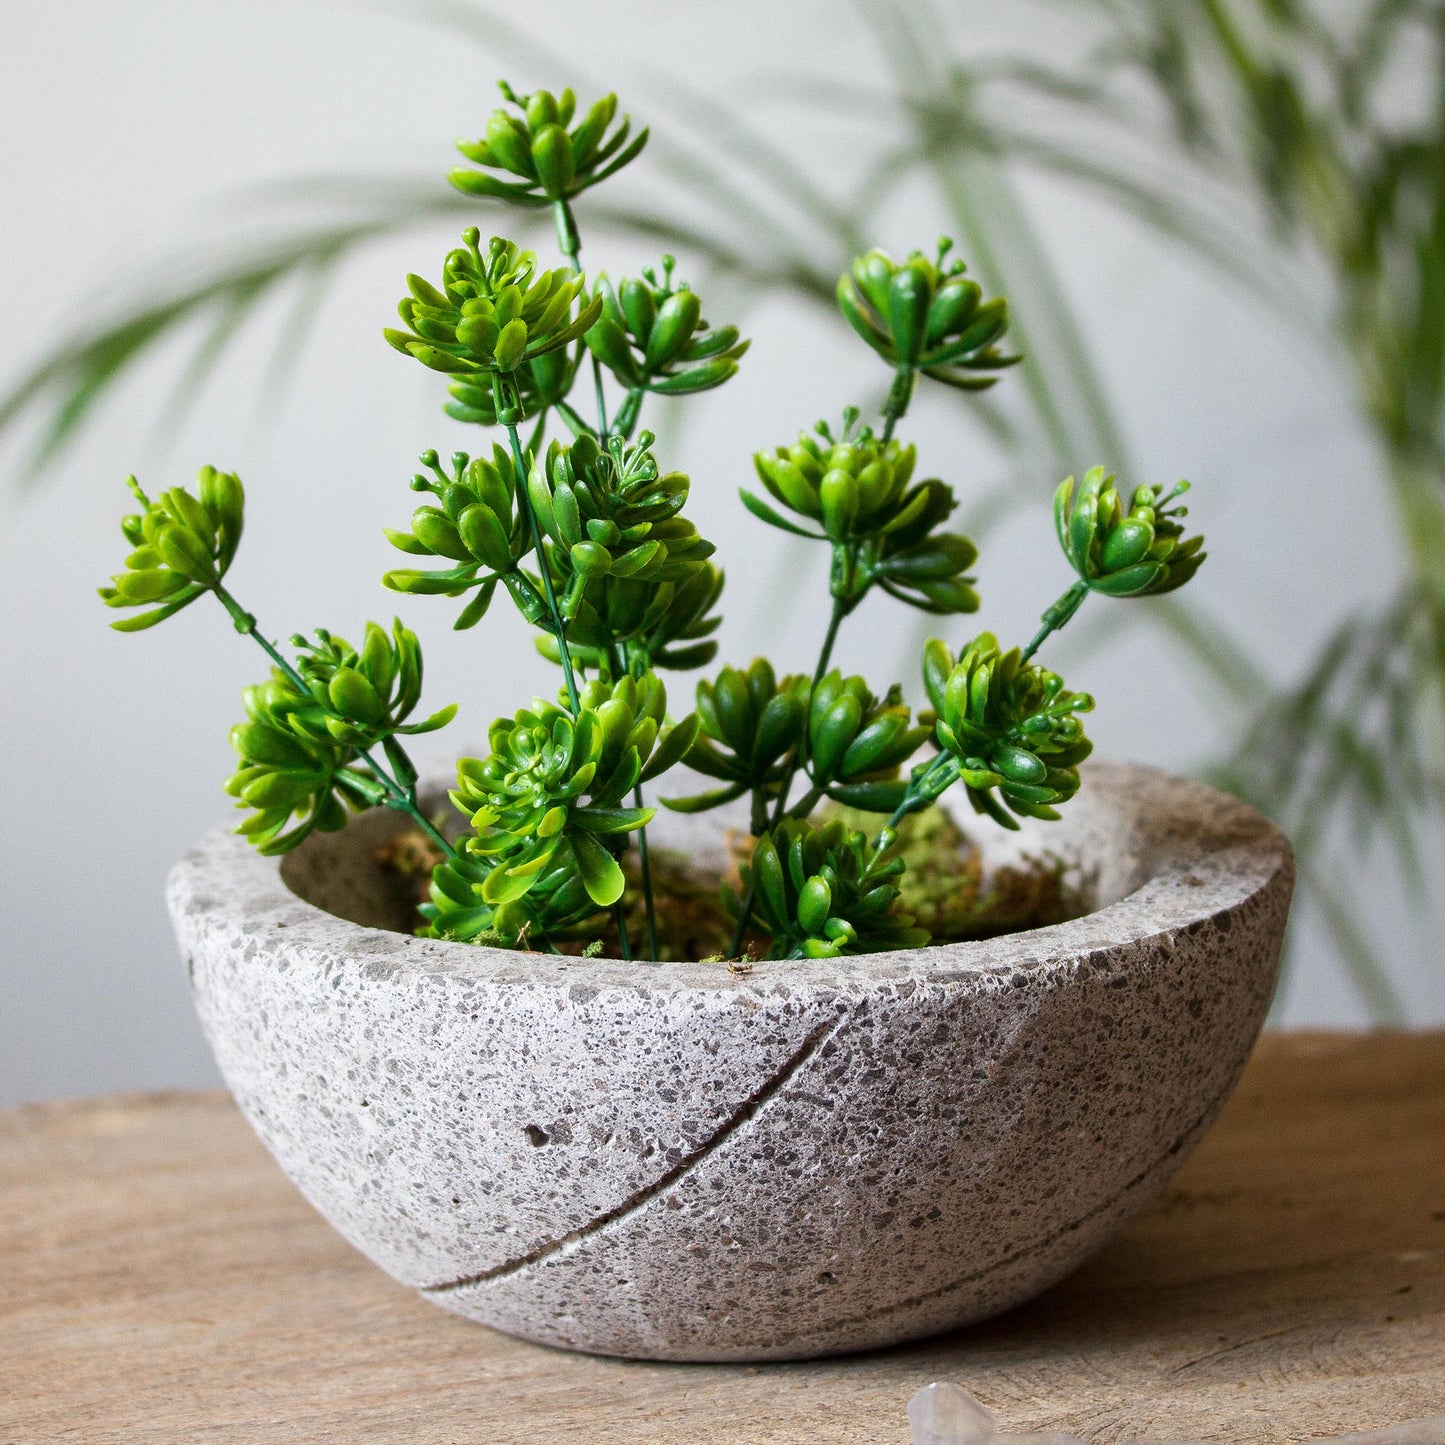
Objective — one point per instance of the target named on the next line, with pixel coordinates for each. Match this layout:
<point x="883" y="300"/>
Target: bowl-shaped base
<point x="671" y="1162"/>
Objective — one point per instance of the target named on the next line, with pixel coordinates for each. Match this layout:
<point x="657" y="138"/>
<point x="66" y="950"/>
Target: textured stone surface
<point x="670" y="1162"/>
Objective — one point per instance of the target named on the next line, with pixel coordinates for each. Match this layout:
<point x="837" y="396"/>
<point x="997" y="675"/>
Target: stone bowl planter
<point x="671" y="1162"/>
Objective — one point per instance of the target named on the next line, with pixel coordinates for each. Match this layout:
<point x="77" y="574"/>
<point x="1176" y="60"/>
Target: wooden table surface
<point x="161" y="1281"/>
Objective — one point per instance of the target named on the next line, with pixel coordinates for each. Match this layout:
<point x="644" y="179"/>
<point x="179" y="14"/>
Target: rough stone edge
<point x="1175" y="827"/>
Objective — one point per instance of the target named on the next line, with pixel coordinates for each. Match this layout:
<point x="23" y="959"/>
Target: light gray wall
<point x="122" y="123"/>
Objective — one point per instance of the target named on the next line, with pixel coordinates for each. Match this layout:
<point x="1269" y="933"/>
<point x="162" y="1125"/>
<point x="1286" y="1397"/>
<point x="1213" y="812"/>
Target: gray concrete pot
<point x="673" y="1163"/>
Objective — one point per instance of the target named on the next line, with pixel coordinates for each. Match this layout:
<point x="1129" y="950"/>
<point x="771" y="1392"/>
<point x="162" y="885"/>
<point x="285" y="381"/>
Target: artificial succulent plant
<point x="588" y="536"/>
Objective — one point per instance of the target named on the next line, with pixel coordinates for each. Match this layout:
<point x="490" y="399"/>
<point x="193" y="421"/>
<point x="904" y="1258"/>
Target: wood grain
<point x="161" y="1281"/>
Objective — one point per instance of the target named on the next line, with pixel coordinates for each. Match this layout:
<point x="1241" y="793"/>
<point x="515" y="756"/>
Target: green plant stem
<point x="896" y="403"/>
<point x="646" y="862"/>
<point x="625" y="421"/>
<point x="403" y="799"/>
<point x="524" y="501"/>
<point x="619" y="912"/>
<point x="619" y="669"/>
<point x="744" y="918"/>
<point x="1058" y="616"/>
<point x="940" y="774"/>
<point x="825" y="656"/>
<point x="571" y="243"/>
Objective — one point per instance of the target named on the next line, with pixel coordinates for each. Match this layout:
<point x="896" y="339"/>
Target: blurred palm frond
<point x="1270" y="140"/>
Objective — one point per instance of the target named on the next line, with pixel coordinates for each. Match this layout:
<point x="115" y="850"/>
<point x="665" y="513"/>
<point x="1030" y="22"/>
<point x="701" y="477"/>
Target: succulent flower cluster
<point x="1011" y="725"/>
<point x="475" y="524"/>
<point x="926" y="313"/>
<point x="823" y="891"/>
<point x="284" y="772"/>
<point x="555" y="781"/>
<point x="750" y="723"/>
<point x="590" y="539"/>
<point x="525" y="798"/>
<point x="629" y="577"/>
<point x="856" y="742"/>
<point x="491" y="314"/>
<point x="884" y="532"/>
<point x="529" y="139"/>
<point x="184" y="545"/>
<point x="299" y="748"/>
<point x="651" y="337"/>
<point x="1134" y="553"/>
<point x="757" y="731"/>
<point x="613" y="521"/>
<point x="362" y="698"/>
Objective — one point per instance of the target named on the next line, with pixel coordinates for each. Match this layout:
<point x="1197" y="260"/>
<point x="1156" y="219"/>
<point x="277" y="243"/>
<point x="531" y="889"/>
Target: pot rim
<point x="1198" y="854"/>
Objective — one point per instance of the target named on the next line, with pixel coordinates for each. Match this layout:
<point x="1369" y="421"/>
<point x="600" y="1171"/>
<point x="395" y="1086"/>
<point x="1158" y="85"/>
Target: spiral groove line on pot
<point x="746" y="1111"/>
<point x="1033" y="1246"/>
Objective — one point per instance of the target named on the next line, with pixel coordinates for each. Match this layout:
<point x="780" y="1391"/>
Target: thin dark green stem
<point x="619" y="912"/>
<point x="601" y="399"/>
<point x="1058" y="615"/>
<point x="758" y="814"/>
<point x="403" y="799"/>
<point x="912" y="802"/>
<point x="524" y="501"/>
<point x="899" y="395"/>
<point x="646" y="861"/>
<point x="619" y="669"/>
<point x="246" y="625"/>
<point x="625" y="421"/>
<point x="940" y="774"/>
<point x="825" y="656"/>
<point x="571" y="243"/>
<point x="744" y="918"/>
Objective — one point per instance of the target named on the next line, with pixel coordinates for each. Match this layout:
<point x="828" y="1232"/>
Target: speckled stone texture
<point x="671" y="1162"/>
